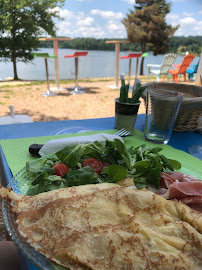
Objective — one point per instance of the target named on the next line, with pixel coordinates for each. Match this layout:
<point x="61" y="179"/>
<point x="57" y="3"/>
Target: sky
<point x="102" y="18"/>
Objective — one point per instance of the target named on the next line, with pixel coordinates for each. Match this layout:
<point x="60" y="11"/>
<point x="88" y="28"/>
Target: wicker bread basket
<point x="190" y="110"/>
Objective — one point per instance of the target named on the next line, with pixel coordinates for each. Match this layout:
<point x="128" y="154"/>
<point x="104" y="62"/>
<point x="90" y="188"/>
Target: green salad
<point x="95" y="163"/>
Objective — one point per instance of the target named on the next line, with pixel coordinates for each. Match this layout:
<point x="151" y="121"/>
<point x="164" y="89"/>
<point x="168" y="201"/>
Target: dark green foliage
<point x="22" y="21"/>
<point x="183" y="44"/>
<point x="191" y="44"/>
<point x="91" y="44"/>
<point x="146" y="26"/>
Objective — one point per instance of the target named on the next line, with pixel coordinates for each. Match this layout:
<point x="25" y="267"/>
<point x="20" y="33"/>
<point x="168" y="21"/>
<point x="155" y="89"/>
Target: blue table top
<point x="179" y="140"/>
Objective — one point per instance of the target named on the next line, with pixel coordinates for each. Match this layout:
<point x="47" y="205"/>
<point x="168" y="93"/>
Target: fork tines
<point x="123" y="132"/>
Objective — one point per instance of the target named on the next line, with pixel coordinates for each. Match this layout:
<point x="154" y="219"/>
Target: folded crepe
<point x="58" y="144"/>
<point x="106" y="226"/>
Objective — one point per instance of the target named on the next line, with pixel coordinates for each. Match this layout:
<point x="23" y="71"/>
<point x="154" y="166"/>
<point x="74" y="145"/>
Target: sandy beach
<point x="96" y="102"/>
<point x="26" y="97"/>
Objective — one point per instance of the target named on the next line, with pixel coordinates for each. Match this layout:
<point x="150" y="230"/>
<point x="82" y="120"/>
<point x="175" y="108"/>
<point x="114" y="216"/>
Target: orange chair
<point x="181" y="68"/>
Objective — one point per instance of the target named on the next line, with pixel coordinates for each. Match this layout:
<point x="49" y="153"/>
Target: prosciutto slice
<point x="183" y="187"/>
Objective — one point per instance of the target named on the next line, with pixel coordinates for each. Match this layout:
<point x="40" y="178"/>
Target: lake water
<point x="96" y="64"/>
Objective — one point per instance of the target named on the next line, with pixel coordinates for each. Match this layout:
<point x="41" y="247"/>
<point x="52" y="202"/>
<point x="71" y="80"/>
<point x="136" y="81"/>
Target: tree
<point x="146" y="26"/>
<point x="22" y="21"/>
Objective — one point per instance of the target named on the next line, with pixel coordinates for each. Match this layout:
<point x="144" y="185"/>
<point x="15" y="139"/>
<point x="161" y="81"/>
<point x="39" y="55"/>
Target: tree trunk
<point x="15" y="69"/>
<point x="13" y="31"/>
<point x="143" y="48"/>
<point x="142" y="67"/>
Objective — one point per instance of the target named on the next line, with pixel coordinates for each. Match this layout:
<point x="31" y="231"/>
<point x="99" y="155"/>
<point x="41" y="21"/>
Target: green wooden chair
<point x="48" y="93"/>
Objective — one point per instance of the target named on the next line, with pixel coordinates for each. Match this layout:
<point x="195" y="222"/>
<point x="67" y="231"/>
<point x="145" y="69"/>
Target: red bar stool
<point x="130" y="56"/>
<point x="76" y="56"/>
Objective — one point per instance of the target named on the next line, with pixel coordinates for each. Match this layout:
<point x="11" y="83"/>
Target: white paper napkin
<point x="56" y="145"/>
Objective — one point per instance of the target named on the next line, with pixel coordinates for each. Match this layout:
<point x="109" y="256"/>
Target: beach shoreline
<point x="96" y="102"/>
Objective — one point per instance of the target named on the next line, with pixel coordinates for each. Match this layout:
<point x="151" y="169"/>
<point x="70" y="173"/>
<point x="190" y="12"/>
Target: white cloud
<point x="108" y="15"/>
<point x="64" y="13"/>
<point x="78" y="25"/>
<point x="172" y="19"/>
<point x="85" y="22"/>
<point x="187" y="14"/>
<point x="188" y="24"/>
<point x="114" y="27"/>
<point x="93" y="31"/>
<point x="64" y="29"/>
<point x="198" y="28"/>
<point x="178" y="1"/>
<point x="132" y="2"/>
<point x="187" y="21"/>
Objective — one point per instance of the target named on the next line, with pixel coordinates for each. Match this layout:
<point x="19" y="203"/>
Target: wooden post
<point x="198" y="80"/>
<point x="57" y="81"/>
<point x="47" y="77"/>
<point x="117" y="52"/>
<point x="117" y="49"/>
<point x="137" y="61"/>
<point x="76" y="72"/>
<point x="129" y="71"/>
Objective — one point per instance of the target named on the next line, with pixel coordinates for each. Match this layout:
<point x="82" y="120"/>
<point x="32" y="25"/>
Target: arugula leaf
<point x="115" y="172"/>
<point x="70" y="155"/>
<point x="175" y="164"/>
<point x="93" y="150"/>
<point x="124" y="153"/>
<point x="83" y="176"/>
<point x="47" y="184"/>
<point x="37" y="170"/>
<point x="141" y="166"/>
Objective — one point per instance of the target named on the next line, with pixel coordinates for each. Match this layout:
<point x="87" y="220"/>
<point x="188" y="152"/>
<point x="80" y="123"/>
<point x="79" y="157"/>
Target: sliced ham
<point x="183" y="187"/>
<point x="171" y="177"/>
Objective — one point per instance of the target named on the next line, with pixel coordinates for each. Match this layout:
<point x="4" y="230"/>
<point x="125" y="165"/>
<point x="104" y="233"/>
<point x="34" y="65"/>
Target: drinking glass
<point x="162" y="107"/>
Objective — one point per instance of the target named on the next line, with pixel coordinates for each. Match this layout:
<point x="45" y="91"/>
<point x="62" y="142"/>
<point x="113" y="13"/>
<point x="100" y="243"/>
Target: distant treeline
<point x="192" y="44"/>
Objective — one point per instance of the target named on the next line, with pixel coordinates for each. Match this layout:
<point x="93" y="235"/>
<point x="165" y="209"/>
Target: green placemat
<point x="17" y="154"/>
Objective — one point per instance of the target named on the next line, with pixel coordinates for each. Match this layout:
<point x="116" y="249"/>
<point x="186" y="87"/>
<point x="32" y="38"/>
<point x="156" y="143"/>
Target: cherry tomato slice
<point x="94" y="163"/>
<point x="60" y="169"/>
<point x="105" y="164"/>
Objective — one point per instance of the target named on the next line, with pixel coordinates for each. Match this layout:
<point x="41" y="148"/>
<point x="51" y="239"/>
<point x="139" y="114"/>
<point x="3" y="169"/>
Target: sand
<point x="96" y="102"/>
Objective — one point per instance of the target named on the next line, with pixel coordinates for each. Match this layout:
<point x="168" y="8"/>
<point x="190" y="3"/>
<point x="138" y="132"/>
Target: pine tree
<point x="146" y="26"/>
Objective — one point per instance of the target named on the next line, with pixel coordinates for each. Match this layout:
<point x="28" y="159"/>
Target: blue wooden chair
<point x="192" y="71"/>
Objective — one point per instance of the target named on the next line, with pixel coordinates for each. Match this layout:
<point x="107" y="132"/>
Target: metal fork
<point x="123" y="132"/>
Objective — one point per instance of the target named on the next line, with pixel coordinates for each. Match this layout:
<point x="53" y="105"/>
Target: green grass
<point x="69" y="81"/>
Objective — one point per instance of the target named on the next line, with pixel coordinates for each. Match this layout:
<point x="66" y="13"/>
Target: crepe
<point x="106" y="226"/>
